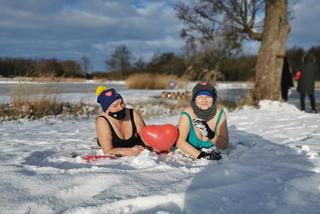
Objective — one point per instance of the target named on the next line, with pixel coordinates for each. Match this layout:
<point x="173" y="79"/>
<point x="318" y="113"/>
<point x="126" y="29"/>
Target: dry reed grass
<point x="152" y="81"/>
<point x="30" y="102"/>
<point x="49" y="79"/>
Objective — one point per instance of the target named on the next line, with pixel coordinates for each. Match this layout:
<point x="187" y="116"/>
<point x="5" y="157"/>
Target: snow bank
<point x="271" y="166"/>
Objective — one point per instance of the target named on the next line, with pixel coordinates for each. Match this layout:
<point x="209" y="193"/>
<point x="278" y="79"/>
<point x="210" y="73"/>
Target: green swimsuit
<point x="193" y="138"/>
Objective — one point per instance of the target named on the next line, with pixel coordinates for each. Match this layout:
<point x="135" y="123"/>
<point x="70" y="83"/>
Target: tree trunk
<point x="275" y="34"/>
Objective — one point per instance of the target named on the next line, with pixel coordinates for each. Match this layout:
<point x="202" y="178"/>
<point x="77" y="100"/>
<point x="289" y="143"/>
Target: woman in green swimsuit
<point x="203" y="124"/>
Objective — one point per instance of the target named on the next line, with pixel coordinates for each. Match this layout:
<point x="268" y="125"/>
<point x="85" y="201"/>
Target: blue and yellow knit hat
<point x="106" y="97"/>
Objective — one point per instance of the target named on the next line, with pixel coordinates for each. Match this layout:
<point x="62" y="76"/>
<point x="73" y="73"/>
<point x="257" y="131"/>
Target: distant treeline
<point x="121" y="65"/>
<point x="12" y="67"/>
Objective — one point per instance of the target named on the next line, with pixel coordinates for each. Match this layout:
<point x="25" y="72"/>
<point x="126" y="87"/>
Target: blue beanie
<point x="204" y="92"/>
<point x="107" y="97"/>
<point x="205" y="88"/>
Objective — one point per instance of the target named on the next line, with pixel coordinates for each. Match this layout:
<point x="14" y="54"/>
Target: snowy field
<point x="271" y="166"/>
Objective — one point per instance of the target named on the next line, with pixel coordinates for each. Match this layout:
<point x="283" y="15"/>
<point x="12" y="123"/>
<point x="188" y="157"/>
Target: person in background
<point x="286" y="79"/>
<point x="118" y="128"/>
<point x="203" y="125"/>
<point x="306" y="83"/>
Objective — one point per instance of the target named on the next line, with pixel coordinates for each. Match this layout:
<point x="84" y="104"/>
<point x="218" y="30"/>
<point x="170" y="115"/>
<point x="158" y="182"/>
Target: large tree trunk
<point x="268" y="67"/>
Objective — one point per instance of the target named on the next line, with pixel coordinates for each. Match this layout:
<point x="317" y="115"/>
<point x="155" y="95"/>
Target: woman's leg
<point x="302" y="105"/>
<point x="312" y="102"/>
<point x="284" y="94"/>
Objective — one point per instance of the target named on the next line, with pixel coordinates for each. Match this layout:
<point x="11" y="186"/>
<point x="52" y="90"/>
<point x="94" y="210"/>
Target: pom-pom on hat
<point x="106" y="97"/>
<point x="100" y="89"/>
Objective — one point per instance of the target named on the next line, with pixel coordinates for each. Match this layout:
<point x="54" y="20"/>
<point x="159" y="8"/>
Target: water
<point x="86" y="91"/>
<point x="71" y="92"/>
<point x="233" y="94"/>
<point x="6" y="88"/>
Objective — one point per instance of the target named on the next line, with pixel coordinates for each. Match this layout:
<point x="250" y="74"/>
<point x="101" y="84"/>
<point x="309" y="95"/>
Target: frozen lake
<point x="85" y="92"/>
<point x="62" y="87"/>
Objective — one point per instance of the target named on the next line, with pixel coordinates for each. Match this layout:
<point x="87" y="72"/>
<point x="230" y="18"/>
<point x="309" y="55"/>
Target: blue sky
<point x="71" y="29"/>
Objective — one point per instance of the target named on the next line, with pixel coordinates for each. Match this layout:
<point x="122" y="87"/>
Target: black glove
<point x="213" y="155"/>
<point x="204" y="128"/>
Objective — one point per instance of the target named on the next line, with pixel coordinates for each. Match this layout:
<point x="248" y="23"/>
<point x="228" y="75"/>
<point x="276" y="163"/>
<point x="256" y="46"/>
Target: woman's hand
<point x="204" y="128"/>
<point x="136" y="150"/>
<point x="128" y="151"/>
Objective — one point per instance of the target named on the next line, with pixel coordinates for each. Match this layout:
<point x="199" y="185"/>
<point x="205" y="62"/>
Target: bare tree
<point x="71" y="68"/>
<point x="238" y="20"/>
<point x="120" y="60"/>
<point x="85" y="64"/>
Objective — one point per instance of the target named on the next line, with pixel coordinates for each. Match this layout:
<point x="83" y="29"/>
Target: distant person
<point x="118" y="128"/>
<point x="203" y="125"/>
<point x="172" y="84"/>
<point x="286" y="79"/>
<point x="306" y="83"/>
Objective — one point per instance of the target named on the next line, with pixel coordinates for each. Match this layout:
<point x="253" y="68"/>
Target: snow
<point x="271" y="166"/>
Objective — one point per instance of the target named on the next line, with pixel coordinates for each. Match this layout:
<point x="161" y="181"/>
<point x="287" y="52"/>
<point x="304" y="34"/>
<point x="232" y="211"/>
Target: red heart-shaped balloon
<point x="160" y="137"/>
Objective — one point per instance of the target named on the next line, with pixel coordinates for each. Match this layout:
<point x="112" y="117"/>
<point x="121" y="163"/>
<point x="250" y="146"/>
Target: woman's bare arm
<point x="182" y="143"/>
<point x="221" y="140"/>
<point x="138" y="121"/>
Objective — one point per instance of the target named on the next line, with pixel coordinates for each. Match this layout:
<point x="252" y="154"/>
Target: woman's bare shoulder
<point x="188" y="110"/>
<point x="220" y="108"/>
<point x="101" y="119"/>
<point x="135" y="112"/>
<point x="224" y="114"/>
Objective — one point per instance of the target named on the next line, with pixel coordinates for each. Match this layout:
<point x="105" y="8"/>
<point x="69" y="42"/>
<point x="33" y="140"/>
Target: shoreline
<point x="29" y="80"/>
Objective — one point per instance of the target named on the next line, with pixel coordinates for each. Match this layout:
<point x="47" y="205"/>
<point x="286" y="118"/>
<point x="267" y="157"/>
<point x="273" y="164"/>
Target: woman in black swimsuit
<point x="118" y="128"/>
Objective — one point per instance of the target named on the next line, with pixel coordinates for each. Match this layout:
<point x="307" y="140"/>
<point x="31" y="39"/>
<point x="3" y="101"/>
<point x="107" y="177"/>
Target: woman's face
<point x="116" y="106"/>
<point x="204" y="102"/>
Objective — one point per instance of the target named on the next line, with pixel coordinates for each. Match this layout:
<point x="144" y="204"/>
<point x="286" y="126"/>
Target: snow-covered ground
<point x="271" y="166"/>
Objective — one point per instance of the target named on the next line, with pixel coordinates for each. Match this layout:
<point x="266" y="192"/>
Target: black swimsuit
<point x="118" y="142"/>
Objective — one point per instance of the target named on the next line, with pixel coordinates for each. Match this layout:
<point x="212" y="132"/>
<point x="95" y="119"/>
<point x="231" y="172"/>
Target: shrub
<point x="152" y="81"/>
<point x="32" y="103"/>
